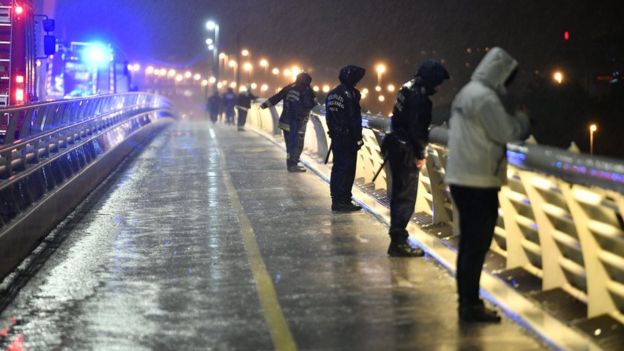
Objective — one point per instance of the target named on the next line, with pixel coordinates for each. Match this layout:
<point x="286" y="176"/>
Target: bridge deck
<point x="204" y="241"/>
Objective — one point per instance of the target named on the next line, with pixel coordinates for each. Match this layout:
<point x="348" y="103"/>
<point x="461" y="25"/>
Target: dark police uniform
<point x="299" y="99"/>
<point x="229" y="101"/>
<point x="242" y="105"/>
<point x="344" y="121"/>
<point x="214" y="104"/>
<point x="411" y="117"/>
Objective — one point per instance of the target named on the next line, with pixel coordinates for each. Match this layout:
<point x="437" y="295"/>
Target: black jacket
<point x="214" y="103"/>
<point x="343" y="111"/>
<point x="411" y="116"/>
<point x="244" y="99"/>
<point x="299" y="99"/>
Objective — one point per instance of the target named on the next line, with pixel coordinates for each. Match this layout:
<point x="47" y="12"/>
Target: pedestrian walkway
<point x="205" y="241"/>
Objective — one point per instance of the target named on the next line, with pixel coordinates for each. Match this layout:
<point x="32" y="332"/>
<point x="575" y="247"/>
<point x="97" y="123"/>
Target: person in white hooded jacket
<point x="480" y="128"/>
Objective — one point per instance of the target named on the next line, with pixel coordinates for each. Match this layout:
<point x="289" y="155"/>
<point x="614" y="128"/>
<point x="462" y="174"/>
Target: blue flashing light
<point x="97" y="54"/>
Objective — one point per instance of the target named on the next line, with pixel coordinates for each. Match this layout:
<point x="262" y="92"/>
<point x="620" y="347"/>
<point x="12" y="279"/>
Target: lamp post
<point x="264" y="63"/>
<point x="380" y="68"/>
<point x="248" y="67"/>
<point x="213" y="46"/>
<point x="592" y="129"/>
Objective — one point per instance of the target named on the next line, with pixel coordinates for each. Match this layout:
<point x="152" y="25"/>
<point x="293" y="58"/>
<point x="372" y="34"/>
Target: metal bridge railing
<point x="561" y="214"/>
<point x="55" y="153"/>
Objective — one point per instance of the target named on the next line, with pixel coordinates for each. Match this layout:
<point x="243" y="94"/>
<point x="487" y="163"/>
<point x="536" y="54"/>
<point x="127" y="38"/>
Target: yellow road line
<point x="280" y="332"/>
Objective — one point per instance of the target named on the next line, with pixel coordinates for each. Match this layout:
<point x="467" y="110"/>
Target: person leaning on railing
<point x="405" y="147"/>
<point x="298" y="100"/>
<point x="480" y="128"/>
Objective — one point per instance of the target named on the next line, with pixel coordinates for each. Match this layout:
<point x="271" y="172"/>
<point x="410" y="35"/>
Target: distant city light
<point x="197" y="76"/>
<point x="365" y="91"/>
<point x="248" y="67"/>
<point x="211" y="47"/>
<point x="172" y="72"/>
<point x="381" y="98"/>
<point x="287" y="73"/>
<point x="149" y="70"/>
<point x="179" y="78"/>
<point x="245" y="52"/>
<point x="378" y="88"/>
<point x="316" y="88"/>
<point x="391" y="88"/>
<point x="593" y="128"/>
<point x="212" y="80"/>
<point x="19" y="10"/>
<point x="275" y="71"/>
<point x="326" y="88"/>
<point x="233" y="85"/>
<point x="232" y="63"/>
<point x="558" y="77"/>
<point x="264" y="63"/>
<point x="209" y="41"/>
<point x="204" y="83"/>
<point x="264" y="87"/>
<point x="254" y="85"/>
<point x="222" y="56"/>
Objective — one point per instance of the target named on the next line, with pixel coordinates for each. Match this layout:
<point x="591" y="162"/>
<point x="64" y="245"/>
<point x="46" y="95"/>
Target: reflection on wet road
<point x="164" y="259"/>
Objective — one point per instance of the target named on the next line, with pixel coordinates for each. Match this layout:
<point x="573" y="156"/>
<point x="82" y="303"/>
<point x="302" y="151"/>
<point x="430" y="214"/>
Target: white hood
<point x="494" y="69"/>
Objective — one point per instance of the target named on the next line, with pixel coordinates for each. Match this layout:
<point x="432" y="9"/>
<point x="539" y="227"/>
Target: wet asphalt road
<point x="205" y="242"/>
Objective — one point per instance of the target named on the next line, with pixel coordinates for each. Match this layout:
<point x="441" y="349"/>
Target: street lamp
<point x="592" y="129"/>
<point x="558" y="77"/>
<point x="245" y="52"/>
<point x="264" y="63"/>
<point x="248" y="67"/>
<point x="213" y="45"/>
<point x="380" y="68"/>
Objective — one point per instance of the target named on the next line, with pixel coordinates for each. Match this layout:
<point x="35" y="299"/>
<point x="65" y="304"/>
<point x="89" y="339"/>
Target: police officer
<point x="404" y="148"/>
<point x="344" y="120"/>
<point x="299" y="99"/>
<point x="229" y="101"/>
<point x="214" y="105"/>
<point x="242" y="106"/>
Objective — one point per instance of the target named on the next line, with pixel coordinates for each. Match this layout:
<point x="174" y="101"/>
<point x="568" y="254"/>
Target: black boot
<point x="404" y="249"/>
<point x="345" y="207"/>
<point x="296" y="168"/>
<point x="478" y="313"/>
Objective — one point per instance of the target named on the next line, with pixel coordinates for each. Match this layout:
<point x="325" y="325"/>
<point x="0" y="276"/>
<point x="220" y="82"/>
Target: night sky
<point x="330" y="33"/>
<point x="327" y="34"/>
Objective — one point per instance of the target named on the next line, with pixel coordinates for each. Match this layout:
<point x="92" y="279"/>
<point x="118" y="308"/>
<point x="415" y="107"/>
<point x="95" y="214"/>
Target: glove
<point x="264" y="105"/>
<point x="359" y="144"/>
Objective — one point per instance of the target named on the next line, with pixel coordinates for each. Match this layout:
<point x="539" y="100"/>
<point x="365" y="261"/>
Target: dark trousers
<point x="478" y="213"/>
<point x="404" y="188"/>
<point x="295" y="140"/>
<point x="343" y="170"/>
<point x="242" y="117"/>
<point x="214" y="115"/>
<point x="229" y="116"/>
